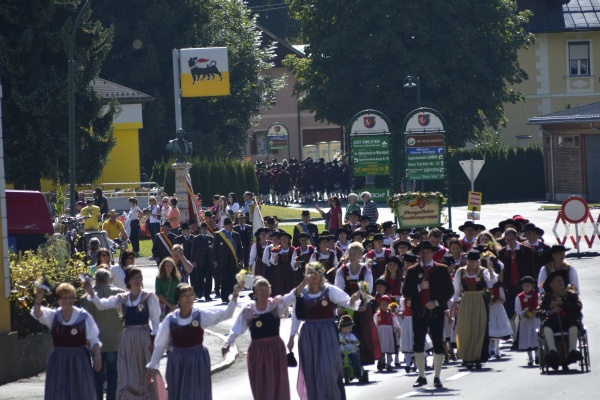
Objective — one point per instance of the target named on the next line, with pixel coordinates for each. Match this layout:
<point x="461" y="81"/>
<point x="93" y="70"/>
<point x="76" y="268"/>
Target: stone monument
<point x="182" y="150"/>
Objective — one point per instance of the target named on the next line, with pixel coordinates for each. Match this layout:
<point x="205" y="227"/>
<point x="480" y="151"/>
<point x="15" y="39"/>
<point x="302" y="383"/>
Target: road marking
<point x="458" y="376"/>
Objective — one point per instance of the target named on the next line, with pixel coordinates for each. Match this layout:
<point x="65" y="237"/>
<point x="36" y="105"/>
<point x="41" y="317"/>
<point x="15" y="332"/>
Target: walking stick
<point x="562" y="333"/>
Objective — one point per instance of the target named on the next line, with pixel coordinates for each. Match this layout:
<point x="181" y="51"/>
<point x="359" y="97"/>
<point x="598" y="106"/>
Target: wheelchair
<point x="562" y="343"/>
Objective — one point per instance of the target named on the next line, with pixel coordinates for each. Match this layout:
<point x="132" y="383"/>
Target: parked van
<point x="28" y="218"/>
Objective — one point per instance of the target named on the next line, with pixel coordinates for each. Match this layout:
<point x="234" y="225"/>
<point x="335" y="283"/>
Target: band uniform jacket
<point x="158" y="248"/>
<point x="187" y="245"/>
<point x="222" y="255"/>
<point x="202" y="250"/>
<point x="312" y="230"/>
<point x="246" y="238"/>
<point x="441" y="288"/>
<point x="525" y="262"/>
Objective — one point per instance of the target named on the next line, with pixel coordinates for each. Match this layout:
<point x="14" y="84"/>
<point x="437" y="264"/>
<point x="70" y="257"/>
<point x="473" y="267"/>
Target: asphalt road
<point x="508" y="378"/>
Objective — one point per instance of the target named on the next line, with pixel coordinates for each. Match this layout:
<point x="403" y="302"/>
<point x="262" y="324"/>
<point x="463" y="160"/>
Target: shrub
<point x="51" y="261"/>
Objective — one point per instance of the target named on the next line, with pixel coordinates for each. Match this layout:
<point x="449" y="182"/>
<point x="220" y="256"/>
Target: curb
<point x="229" y="358"/>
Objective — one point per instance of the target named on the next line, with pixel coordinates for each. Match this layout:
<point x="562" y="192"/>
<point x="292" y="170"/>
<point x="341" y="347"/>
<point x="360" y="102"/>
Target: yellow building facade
<point x="563" y="65"/>
<point x="124" y="159"/>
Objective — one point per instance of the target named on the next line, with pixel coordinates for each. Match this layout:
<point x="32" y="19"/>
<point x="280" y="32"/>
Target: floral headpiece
<point x="317" y="267"/>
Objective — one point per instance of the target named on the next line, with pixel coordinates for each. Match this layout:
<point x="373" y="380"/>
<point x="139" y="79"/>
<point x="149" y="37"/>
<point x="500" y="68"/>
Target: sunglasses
<point x="104" y="255"/>
<point x="165" y="201"/>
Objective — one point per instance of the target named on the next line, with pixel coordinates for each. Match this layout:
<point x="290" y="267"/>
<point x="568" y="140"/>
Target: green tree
<point x="146" y="32"/>
<point x="34" y="42"/>
<point x="360" y="51"/>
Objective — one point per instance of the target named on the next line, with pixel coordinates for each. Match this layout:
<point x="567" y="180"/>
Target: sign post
<point x="425" y="149"/>
<point x="575" y="210"/>
<point x="472" y="169"/>
<point x="370" y="152"/>
<point x="278" y="136"/>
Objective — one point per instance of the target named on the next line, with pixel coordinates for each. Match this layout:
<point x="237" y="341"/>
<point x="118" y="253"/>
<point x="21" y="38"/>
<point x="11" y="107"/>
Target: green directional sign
<point x="425" y="164"/>
<point x="371" y="155"/>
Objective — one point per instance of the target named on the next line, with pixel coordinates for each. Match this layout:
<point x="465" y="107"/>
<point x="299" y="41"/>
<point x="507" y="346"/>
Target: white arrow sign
<point x="472" y="169"/>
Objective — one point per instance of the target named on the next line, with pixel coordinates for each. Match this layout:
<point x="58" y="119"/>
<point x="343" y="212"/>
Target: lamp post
<point x="71" y="79"/>
<point x="411" y="82"/>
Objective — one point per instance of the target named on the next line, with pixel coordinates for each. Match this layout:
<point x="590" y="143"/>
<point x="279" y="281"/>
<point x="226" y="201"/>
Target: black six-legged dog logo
<point x="199" y="73"/>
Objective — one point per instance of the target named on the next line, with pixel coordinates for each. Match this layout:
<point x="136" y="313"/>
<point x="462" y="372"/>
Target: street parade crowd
<point x="361" y="292"/>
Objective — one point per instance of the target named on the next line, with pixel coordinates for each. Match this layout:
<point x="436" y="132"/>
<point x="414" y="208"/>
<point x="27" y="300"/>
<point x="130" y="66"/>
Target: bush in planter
<point x="52" y="261"/>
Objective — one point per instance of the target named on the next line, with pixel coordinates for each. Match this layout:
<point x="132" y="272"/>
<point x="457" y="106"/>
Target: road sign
<point x="277" y="137"/>
<point x="425" y="163"/>
<point x="575" y="209"/>
<point x="424" y="150"/>
<point x="371" y="169"/>
<point x="424" y="121"/>
<point x="431" y="140"/>
<point x="474" y="203"/>
<point x="472" y="168"/>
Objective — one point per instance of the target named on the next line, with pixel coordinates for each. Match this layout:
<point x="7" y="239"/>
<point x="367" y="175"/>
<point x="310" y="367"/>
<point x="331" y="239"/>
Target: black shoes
<point x="421" y="381"/>
<point x="552" y="356"/>
<point x="574" y="356"/>
<point x="437" y="383"/>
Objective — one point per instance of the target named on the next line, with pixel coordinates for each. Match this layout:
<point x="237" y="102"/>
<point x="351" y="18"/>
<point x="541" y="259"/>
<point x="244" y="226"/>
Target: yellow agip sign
<point x="204" y="72"/>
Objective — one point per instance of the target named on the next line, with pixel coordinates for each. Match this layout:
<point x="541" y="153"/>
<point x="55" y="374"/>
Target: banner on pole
<point x="204" y="72"/>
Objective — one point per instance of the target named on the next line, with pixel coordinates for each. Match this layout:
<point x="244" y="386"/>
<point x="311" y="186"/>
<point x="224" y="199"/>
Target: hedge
<point x="507" y="176"/>
<point x="210" y="177"/>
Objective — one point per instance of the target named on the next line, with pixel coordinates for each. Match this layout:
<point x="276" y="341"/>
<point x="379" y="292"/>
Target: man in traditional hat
<point x="560" y="311"/>
<point x="185" y="239"/>
<point x="518" y="262"/>
<point x="468" y="228"/>
<point x="245" y="231"/>
<point x="228" y="256"/>
<point x="388" y="233"/>
<point x="307" y="227"/>
<point x="540" y="255"/>
<point x="428" y="286"/>
<point x="202" y="260"/>
<point x="163" y="243"/>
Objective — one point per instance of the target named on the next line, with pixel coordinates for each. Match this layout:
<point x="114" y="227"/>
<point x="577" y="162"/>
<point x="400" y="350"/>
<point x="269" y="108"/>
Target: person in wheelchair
<point x="560" y="312"/>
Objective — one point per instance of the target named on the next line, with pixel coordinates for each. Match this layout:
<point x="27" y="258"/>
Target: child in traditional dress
<point x="386" y="323"/>
<point x="407" y="342"/>
<point x="499" y="326"/>
<point x="349" y="344"/>
<point x="525" y="306"/>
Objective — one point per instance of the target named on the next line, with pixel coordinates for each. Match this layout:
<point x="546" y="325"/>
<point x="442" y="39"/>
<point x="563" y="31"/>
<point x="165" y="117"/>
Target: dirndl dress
<point x="320" y="364"/>
<point x="188" y="366"/>
<point x="385" y="332"/>
<point x="69" y="373"/>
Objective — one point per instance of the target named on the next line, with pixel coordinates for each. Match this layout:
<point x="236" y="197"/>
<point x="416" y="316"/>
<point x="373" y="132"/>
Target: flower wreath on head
<point x="317" y="267"/>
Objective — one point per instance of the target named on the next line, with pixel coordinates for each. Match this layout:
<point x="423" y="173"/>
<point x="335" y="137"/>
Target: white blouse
<point x="325" y="256"/>
<point x="340" y="281"/>
<point x="118" y="276"/>
<point x="208" y="317"/>
<point x="490" y="280"/>
<point x="282" y="303"/>
<point x="573" y="278"/>
<point x="336" y="295"/>
<point x="91" y="329"/>
<point x="275" y="260"/>
<point x="117" y="301"/>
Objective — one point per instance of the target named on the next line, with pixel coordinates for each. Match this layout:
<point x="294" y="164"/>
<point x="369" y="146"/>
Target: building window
<point x="568" y="141"/>
<point x="579" y="58"/>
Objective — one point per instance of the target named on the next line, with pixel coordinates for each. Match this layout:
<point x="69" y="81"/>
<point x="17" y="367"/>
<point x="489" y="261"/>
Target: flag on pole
<point x="257" y="218"/>
<point x="192" y="204"/>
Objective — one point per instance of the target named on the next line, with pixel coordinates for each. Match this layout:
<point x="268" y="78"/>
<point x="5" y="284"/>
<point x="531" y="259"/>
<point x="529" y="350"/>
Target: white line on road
<point x="458" y="376"/>
<point x="409" y="394"/>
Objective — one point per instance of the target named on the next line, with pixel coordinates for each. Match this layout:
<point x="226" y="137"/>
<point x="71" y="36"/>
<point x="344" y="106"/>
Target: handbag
<point x="291" y="360"/>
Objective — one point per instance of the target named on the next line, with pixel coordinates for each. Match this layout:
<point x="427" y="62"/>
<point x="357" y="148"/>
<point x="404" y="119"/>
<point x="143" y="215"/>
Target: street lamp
<point x="71" y="95"/>
<point x="412" y="82"/>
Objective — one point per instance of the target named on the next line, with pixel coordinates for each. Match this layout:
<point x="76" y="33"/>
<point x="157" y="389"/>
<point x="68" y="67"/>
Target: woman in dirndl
<point x="348" y="278"/>
<point x="320" y="366"/>
<point x="188" y="366"/>
<point x="472" y="335"/>
<point x="139" y="308"/>
<point x="257" y="266"/>
<point x="267" y="360"/>
<point x="281" y="262"/>
<point x="69" y="373"/>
